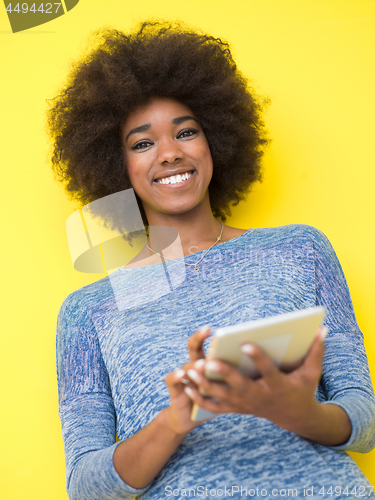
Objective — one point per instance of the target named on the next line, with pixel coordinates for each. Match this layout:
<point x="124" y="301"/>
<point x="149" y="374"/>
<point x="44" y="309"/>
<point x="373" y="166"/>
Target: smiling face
<point x="168" y="158"/>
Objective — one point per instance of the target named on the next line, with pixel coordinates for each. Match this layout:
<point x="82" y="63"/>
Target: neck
<point x="196" y="231"/>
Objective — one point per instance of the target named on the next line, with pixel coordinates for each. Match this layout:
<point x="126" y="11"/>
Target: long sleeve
<point x="112" y="364"/>
<point x="86" y="408"/>
<point x="346" y="377"/>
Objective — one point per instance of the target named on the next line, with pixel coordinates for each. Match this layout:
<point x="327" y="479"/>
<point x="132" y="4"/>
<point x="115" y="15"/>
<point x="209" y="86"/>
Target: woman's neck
<point x="176" y="237"/>
<point x="195" y="233"/>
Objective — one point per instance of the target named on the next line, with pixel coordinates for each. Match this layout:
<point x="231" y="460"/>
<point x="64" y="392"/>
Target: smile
<point x="175" y="179"/>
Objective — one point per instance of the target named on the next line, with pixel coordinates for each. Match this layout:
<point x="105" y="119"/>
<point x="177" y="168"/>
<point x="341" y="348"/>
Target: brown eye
<point x="141" y="145"/>
<point x="187" y="133"/>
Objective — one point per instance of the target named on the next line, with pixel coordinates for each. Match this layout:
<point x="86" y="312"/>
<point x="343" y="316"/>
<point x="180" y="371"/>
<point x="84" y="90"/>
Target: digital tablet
<point x="285" y="338"/>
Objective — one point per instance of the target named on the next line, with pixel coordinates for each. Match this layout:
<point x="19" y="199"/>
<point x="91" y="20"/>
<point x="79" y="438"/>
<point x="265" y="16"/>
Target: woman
<point x="166" y="112"/>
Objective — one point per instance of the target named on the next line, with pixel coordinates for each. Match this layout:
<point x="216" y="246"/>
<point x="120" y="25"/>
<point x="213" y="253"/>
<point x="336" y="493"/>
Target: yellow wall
<point x="314" y="58"/>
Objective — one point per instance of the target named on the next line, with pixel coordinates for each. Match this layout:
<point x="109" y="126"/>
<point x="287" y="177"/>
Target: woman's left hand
<point x="287" y="399"/>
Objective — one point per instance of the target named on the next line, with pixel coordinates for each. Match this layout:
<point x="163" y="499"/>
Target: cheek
<point x="132" y="169"/>
<point x="128" y="169"/>
<point x="208" y="158"/>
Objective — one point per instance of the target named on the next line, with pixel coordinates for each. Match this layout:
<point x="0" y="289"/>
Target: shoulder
<point x="299" y="239"/>
<point x="76" y="330"/>
<point x="291" y="233"/>
<point x="82" y="300"/>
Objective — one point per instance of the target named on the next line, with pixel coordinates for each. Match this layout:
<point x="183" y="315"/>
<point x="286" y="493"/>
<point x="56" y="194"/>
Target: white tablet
<point x="285" y="338"/>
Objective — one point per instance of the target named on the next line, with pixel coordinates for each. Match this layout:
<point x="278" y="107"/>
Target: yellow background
<point x="314" y="58"/>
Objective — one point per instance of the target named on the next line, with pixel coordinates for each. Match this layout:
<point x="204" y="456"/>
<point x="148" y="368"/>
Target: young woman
<point x="166" y="112"/>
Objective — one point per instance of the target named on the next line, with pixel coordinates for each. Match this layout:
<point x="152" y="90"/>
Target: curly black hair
<point x="123" y="72"/>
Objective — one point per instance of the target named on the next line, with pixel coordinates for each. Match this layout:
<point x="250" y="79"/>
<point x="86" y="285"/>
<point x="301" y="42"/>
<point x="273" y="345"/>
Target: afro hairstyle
<point x="123" y="72"/>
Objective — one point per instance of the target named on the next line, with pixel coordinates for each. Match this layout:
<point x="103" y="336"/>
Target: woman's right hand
<point x="141" y="457"/>
<point x="178" y="413"/>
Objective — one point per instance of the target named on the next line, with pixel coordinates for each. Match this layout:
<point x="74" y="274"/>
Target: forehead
<point x="157" y="110"/>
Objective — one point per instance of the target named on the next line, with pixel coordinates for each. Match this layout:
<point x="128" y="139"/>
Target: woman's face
<point x="167" y="157"/>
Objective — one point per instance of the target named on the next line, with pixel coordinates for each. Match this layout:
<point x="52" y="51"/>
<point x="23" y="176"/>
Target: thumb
<point x="314" y="359"/>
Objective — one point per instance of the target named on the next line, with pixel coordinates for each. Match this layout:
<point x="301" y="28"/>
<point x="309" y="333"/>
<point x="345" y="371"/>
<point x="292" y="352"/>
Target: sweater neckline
<point x="193" y="255"/>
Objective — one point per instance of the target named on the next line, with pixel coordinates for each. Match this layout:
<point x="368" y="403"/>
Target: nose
<point x="169" y="151"/>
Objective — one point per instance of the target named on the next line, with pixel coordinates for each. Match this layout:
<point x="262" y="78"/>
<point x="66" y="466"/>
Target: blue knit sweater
<point x="118" y="337"/>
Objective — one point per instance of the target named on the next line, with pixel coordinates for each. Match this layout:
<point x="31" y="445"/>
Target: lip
<point x="175" y="186"/>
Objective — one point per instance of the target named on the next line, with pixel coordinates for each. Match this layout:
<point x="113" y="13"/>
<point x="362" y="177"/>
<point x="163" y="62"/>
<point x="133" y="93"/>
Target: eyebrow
<point x="181" y="119"/>
<point x="147" y="126"/>
<point x="141" y="128"/>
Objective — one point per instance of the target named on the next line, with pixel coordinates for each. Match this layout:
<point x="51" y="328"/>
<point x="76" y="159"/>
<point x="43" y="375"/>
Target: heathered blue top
<point x="118" y="338"/>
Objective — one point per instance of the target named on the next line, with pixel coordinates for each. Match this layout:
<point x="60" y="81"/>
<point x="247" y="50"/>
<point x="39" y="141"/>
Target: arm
<point x="346" y="376"/>
<point x="140" y="458"/>
<point x="86" y="408"/>
<point x="288" y="399"/>
<point x="97" y="467"/>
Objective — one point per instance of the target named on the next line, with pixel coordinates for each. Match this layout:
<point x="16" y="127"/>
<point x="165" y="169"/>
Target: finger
<point x="266" y="367"/>
<point x="174" y="382"/>
<point x="212" y="405"/>
<point x="231" y="377"/>
<point x="206" y="387"/>
<point x="197" y="365"/>
<point x="215" y="389"/>
<point x="195" y="343"/>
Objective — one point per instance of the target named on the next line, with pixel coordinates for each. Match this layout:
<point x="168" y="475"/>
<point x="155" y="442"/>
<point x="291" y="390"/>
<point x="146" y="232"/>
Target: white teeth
<point x="175" y="179"/>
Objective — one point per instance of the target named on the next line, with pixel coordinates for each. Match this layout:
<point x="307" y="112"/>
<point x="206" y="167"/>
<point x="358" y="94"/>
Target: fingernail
<point x="195" y="377"/>
<point x="323" y="333"/>
<point x="189" y="392"/>
<point x="179" y="372"/>
<point x="199" y="363"/>
<point x="247" y="349"/>
<point x="212" y="366"/>
<point x="204" y="329"/>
